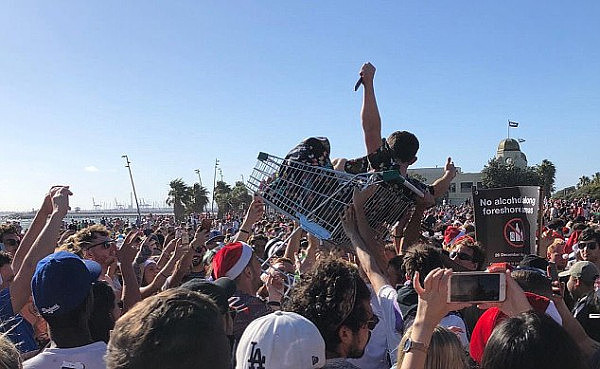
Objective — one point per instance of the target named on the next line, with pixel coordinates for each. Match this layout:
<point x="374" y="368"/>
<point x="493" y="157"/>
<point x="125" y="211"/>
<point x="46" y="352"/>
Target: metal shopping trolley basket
<point x="315" y="196"/>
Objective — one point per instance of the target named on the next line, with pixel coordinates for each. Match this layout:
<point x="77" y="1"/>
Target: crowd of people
<point x="256" y="291"/>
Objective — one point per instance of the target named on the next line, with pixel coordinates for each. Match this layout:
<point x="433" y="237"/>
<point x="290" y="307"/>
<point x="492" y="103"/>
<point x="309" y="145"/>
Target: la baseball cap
<point x="62" y="281"/>
<point x="281" y="340"/>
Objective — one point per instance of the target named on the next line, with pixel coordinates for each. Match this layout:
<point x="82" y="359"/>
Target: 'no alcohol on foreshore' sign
<point x="506" y="221"/>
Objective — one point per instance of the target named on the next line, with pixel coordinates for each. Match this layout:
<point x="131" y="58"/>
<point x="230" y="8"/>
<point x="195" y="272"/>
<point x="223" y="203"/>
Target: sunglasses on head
<point x="12" y="242"/>
<point x="105" y="244"/>
<point x="460" y="255"/>
<point x="590" y="245"/>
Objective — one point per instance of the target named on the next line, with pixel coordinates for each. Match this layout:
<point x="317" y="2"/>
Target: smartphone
<point x="477" y="287"/>
<point x="206" y="224"/>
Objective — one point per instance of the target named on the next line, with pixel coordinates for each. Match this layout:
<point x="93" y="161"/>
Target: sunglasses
<point x="460" y="255"/>
<point x="12" y="242"/>
<point x="590" y="245"/>
<point x="105" y="244"/>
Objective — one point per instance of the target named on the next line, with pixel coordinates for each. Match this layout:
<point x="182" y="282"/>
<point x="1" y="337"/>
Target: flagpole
<point x="508" y="130"/>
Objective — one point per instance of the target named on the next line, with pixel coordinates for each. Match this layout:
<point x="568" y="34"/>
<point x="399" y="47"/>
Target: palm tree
<point x="199" y="198"/>
<point x="223" y="197"/>
<point x="583" y="181"/>
<point x="596" y="178"/>
<point x="547" y="171"/>
<point x="179" y="197"/>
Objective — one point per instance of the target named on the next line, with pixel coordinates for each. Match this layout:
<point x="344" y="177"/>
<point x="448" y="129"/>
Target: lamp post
<point x="199" y="178"/>
<point x="199" y="183"/>
<point x="212" y="204"/>
<point x="128" y="166"/>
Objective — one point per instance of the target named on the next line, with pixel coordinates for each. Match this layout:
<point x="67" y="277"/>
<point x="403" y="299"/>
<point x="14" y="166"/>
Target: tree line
<point x="187" y="199"/>
<point x="497" y="174"/>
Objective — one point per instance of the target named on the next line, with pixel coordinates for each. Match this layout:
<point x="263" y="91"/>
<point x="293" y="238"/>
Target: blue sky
<point x="177" y="84"/>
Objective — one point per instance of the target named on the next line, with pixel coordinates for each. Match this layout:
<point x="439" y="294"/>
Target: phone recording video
<point x="477" y="287"/>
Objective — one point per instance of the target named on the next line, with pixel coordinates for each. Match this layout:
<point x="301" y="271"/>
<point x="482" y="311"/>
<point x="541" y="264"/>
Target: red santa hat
<point x="450" y="234"/>
<point x="493" y="316"/>
<point x="231" y="260"/>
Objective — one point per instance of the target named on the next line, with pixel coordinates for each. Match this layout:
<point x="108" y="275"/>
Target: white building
<point x="460" y="187"/>
<point x="509" y="152"/>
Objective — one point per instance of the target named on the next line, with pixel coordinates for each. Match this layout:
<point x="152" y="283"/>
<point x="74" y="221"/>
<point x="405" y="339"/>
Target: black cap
<point x="534" y="261"/>
<point x="220" y="290"/>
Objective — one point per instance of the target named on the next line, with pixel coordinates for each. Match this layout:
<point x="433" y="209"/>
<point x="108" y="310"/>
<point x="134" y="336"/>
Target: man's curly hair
<point x="82" y="239"/>
<point x="7" y="229"/>
<point x="330" y="296"/>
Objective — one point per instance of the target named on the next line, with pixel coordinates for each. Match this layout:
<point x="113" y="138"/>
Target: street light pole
<point x="128" y="166"/>
<point x="199" y="183"/>
<point x="212" y="204"/>
<point x="199" y="179"/>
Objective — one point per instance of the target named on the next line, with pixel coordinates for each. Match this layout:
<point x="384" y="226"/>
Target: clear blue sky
<point x="177" y="84"/>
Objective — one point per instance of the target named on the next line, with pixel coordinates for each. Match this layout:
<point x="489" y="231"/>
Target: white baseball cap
<point x="281" y="340"/>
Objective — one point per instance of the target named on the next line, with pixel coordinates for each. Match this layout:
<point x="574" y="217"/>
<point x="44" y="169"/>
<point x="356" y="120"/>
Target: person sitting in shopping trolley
<point x="397" y="152"/>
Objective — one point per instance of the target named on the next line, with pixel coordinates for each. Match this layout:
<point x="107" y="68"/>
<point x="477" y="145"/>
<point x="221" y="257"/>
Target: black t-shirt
<point x="379" y="161"/>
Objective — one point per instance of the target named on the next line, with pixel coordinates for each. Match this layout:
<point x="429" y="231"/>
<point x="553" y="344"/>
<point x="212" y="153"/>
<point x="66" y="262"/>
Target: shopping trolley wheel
<point x="313" y="228"/>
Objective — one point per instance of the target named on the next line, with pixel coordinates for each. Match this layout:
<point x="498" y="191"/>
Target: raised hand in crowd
<point x="432" y="307"/>
<point x="165" y="272"/>
<point x="35" y="228"/>
<point x="126" y="254"/>
<point x="44" y="244"/>
<point x="200" y="238"/>
<point x="515" y="303"/>
<point x="255" y="212"/>
<point x="166" y="253"/>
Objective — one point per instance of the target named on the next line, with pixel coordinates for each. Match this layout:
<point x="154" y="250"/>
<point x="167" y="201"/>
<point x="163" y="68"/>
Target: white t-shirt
<point x="84" y="357"/>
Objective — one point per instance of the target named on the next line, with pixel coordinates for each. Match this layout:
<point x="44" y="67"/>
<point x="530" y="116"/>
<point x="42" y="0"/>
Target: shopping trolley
<point x="315" y="197"/>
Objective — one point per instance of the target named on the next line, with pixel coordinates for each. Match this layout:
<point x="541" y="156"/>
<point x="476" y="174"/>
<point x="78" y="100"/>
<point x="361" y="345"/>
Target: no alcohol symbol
<point x="514" y="232"/>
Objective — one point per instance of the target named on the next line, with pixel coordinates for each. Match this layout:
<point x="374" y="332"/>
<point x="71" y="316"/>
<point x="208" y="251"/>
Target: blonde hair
<point x="81" y="240"/>
<point x="555" y="245"/>
<point x="445" y="350"/>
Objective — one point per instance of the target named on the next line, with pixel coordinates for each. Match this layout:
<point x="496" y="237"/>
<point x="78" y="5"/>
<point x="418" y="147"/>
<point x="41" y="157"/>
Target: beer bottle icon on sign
<point x="517" y="234"/>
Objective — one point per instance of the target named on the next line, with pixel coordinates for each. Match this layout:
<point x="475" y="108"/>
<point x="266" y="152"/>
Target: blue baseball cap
<point x="62" y="281"/>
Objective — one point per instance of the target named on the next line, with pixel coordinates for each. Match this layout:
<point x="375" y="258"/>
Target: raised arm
<point x="38" y="223"/>
<point x="293" y="244"/>
<point x="367" y="261"/>
<point x="311" y="254"/>
<point x="374" y="247"/>
<point x="20" y="288"/>
<point x="126" y="254"/>
<point x="441" y="185"/>
<point x="371" y="121"/>
<point x="255" y="212"/>
<point x="432" y="307"/>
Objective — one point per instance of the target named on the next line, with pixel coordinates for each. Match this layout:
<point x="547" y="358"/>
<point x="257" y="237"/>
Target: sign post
<point x="507" y="221"/>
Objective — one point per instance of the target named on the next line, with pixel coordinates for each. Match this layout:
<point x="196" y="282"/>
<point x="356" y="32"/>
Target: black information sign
<point x="506" y="221"/>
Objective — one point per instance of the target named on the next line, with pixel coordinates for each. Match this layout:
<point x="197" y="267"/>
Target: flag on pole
<point x="513" y="124"/>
